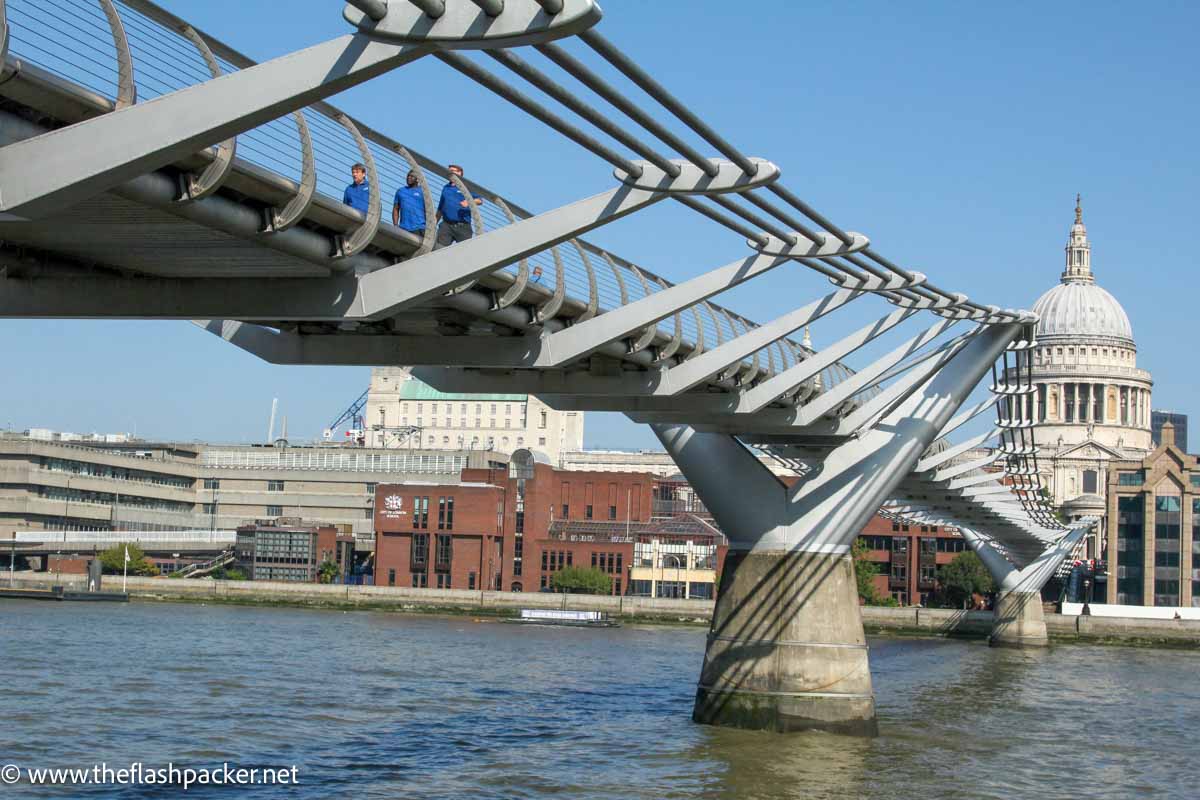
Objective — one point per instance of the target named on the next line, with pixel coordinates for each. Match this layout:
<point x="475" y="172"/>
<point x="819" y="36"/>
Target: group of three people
<point x="408" y="208"/>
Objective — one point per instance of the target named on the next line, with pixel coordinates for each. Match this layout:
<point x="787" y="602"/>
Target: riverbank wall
<point x="909" y="621"/>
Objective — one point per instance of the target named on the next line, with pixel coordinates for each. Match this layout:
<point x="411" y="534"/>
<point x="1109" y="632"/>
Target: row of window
<point x="72" y="467"/>
<point x="1051" y="355"/>
<point x="272" y="486"/>
<point x="633" y="499"/>
<point x="110" y="499"/>
<point x="553" y="560"/>
<point x="448" y="422"/>
<point x="609" y="562"/>
<point x="475" y="443"/>
<point x="929" y="544"/>
<point x="419" y="550"/>
<point x="462" y="409"/>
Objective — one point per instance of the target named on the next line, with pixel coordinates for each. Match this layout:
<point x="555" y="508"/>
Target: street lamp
<point x="1087" y="597"/>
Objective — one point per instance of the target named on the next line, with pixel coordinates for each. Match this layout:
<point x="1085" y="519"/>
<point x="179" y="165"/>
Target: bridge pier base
<point x="786" y="650"/>
<point x="1018" y="621"/>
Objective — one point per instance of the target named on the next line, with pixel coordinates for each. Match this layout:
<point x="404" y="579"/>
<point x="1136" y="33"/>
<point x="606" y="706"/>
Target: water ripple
<point x="376" y="705"/>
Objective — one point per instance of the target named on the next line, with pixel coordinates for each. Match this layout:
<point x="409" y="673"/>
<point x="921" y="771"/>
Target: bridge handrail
<point x="154" y="35"/>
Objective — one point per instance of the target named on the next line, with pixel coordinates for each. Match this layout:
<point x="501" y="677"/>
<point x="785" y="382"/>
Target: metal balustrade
<point x="165" y="61"/>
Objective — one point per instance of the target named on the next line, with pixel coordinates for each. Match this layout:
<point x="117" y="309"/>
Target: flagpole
<point x="125" y="569"/>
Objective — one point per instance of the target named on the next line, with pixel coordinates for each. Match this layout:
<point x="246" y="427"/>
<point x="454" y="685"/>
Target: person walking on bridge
<point x="454" y="213"/>
<point x="408" y="209"/>
<point x="358" y="193"/>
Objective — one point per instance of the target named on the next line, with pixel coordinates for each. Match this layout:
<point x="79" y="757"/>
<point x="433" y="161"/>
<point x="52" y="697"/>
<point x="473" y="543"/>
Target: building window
<point x="212" y="483"/>
<point x="274" y="511"/>
<point x="1167" y="521"/>
<point x="420" y="513"/>
<point x="542" y="424"/>
<point x="541" y="440"/>
<point x="1131" y="478"/>
<point x="675" y="590"/>
<point x="210" y="508"/>
<point x="1089" y="481"/>
<point x="443" y="580"/>
<point x="274" y="486"/>
<point x="391" y="577"/>
<point x="419" y="551"/>
<point x="444" y="546"/>
<point x="420" y="580"/>
<point x="471" y="580"/>
<point x="1130" y="549"/>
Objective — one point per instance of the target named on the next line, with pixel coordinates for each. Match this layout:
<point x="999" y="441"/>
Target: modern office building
<point x="1177" y="420"/>
<point x="397" y="403"/>
<point x="289" y="549"/>
<point x="1153" y="530"/>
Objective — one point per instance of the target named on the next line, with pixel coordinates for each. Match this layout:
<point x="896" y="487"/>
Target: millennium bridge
<point x="148" y="171"/>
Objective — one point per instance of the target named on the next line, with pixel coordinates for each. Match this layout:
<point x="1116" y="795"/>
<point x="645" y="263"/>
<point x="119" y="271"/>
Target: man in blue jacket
<point x="408" y="210"/>
<point x="358" y="194"/>
<point x="454" y="213"/>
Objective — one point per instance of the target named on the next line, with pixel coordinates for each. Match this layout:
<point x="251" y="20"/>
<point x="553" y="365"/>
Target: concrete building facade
<point x="398" y="402"/>
<point x="54" y="485"/>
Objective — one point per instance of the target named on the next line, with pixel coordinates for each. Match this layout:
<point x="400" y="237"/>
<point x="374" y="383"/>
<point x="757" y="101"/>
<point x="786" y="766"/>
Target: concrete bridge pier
<point x="786" y="650"/>
<point x="1018" y="620"/>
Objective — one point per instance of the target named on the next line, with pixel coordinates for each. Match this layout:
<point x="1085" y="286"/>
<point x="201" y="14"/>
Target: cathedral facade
<point x="1092" y="403"/>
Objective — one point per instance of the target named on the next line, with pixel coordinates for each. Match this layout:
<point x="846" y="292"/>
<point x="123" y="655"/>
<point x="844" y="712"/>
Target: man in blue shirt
<point x="358" y="194"/>
<point x="454" y="214"/>
<point x="408" y="210"/>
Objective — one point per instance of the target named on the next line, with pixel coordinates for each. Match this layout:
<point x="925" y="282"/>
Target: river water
<point x="379" y="705"/>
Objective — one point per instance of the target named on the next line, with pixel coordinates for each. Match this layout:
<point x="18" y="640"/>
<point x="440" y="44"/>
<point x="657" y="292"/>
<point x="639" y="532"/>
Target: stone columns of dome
<point x="1091" y="399"/>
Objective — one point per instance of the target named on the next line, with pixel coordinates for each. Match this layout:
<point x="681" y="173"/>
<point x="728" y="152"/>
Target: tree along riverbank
<point x="897" y="621"/>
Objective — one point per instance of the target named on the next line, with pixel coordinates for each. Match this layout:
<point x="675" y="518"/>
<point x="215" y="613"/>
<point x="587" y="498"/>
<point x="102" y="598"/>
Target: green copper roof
<point x="414" y="389"/>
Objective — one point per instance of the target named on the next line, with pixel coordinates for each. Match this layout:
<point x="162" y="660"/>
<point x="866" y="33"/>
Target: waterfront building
<point x="908" y="556"/>
<point x="288" y="549"/>
<point x="48" y="484"/>
<point x="511" y="529"/>
<point x="1153" y="530"/>
<point x="397" y="403"/>
<point x="1092" y="402"/>
<point x="1177" y="420"/>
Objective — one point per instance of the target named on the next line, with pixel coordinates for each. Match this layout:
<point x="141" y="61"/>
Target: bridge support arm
<point x="1018" y="618"/>
<point x="786" y="650"/>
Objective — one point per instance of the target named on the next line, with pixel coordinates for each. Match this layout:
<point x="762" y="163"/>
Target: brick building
<point x="908" y="557"/>
<point x="512" y="528"/>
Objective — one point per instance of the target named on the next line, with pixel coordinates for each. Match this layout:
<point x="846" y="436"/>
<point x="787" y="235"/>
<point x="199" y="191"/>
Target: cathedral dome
<point x="1078" y="309"/>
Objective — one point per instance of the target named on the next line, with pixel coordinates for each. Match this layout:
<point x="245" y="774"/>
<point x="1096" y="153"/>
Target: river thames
<point x="379" y="705"/>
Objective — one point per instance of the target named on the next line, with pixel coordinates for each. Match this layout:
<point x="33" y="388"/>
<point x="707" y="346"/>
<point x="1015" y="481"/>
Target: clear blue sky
<point x="954" y="135"/>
